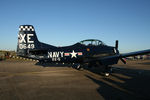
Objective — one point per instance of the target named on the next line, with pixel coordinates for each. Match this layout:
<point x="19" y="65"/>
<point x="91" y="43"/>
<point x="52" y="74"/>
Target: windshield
<point x="91" y="42"/>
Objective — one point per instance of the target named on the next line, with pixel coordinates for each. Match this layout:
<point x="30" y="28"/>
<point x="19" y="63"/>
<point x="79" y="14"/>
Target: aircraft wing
<point x="110" y="60"/>
<point x="135" y="53"/>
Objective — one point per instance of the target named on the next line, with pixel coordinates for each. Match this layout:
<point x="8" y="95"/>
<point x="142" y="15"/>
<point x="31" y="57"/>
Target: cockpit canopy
<point x="92" y="42"/>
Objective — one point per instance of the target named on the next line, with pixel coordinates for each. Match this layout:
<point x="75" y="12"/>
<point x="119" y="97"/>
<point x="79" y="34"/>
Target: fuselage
<point x="77" y="53"/>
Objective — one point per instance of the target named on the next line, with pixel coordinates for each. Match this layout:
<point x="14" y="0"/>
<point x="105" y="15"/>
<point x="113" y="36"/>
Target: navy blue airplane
<point x="92" y="52"/>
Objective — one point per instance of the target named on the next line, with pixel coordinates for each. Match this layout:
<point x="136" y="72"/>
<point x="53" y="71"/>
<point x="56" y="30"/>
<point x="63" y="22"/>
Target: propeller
<point x="116" y="44"/>
<point x="116" y="47"/>
<point x="123" y="60"/>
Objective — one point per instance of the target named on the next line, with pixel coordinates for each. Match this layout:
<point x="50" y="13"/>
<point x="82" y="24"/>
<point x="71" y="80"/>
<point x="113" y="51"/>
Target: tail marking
<point x="26" y="37"/>
<point x="26" y="28"/>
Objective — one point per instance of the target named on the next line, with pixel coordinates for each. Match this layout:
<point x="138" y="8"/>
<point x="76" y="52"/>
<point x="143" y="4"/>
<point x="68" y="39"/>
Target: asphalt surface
<point x="26" y="80"/>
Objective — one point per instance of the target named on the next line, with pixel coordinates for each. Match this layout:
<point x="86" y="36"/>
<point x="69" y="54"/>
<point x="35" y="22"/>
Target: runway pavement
<point x="25" y="80"/>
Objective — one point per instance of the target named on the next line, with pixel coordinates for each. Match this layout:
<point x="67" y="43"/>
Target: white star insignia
<point x="73" y="54"/>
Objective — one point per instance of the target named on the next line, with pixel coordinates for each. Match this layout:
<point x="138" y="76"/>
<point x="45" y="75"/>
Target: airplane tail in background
<point x="27" y="40"/>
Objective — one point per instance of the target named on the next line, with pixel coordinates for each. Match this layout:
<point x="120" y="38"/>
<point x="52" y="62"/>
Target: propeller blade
<point x="123" y="60"/>
<point x="116" y="44"/>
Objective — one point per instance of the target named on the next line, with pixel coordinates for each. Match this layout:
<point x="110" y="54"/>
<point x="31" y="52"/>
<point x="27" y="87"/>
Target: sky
<point x="65" y="22"/>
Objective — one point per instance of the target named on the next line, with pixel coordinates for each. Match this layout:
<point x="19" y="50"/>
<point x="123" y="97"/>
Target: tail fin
<point x="27" y="40"/>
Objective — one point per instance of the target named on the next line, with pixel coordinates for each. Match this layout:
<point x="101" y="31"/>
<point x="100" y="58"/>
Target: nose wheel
<point x="107" y="70"/>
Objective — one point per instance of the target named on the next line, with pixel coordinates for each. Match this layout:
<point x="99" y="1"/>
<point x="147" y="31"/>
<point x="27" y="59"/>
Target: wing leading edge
<point x="135" y="53"/>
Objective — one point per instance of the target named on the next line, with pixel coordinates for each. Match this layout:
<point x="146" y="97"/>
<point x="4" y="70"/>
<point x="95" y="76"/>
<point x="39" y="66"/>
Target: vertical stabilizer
<point x="27" y="40"/>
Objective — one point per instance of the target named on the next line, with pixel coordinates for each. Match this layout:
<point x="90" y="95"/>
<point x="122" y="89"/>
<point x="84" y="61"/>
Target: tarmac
<point x="26" y="80"/>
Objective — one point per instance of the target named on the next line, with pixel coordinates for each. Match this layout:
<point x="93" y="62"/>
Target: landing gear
<point x="41" y="61"/>
<point x="107" y="70"/>
<point x="77" y="66"/>
<point x="106" y="74"/>
<point x="104" y="69"/>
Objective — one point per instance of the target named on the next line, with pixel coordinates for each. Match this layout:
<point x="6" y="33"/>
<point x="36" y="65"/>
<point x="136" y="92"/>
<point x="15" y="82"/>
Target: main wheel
<point x="106" y="74"/>
<point x="77" y="66"/>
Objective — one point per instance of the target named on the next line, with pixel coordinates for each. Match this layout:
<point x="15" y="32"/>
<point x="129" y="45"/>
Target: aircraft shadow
<point x="124" y="84"/>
